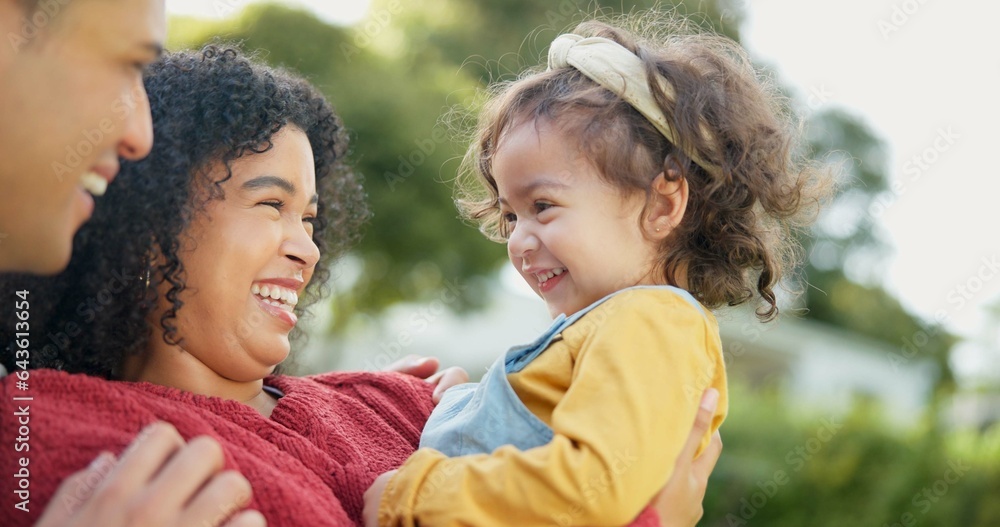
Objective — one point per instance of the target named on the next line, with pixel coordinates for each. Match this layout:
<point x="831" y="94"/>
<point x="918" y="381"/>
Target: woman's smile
<point x="276" y="298"/>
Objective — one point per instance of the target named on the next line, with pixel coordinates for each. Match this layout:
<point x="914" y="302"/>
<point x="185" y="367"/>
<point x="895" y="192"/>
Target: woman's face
<point x="247" y="257"/>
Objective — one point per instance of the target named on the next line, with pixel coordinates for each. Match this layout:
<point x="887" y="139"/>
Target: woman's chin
<point x="269" y="358"/>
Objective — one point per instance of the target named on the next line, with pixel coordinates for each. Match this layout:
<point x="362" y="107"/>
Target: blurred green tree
<point x="398" y="77"/>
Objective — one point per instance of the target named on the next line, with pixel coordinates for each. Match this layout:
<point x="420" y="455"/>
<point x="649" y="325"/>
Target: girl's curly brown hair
<point x="208" y="106"/>
<point x="737" y="237"/>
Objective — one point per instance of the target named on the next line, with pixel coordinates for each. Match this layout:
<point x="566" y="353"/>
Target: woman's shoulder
<point x="391" y="395"/>
<point x="43" y="385"/>
<point x="351" y="383"/>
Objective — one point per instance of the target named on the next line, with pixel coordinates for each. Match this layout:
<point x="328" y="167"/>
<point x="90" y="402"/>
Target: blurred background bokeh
<point x="874" y="401"/>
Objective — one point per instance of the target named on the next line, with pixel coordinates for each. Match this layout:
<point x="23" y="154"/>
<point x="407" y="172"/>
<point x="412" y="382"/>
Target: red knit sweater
<point x="309" y="464"/>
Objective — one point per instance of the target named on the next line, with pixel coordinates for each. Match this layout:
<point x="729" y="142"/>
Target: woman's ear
<point x="668" y="199"/>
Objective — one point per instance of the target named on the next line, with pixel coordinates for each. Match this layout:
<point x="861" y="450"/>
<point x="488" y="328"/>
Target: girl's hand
<point x="373" y="496"/>
<point x="425" y="368"/>
<point x="679" y="502"/>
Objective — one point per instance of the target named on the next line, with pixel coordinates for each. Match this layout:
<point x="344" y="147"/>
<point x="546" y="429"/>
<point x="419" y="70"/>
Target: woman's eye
<point x="277" y="204"/>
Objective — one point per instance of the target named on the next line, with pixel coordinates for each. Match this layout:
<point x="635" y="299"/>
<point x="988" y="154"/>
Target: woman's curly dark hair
<point x="208" y="106"/>
<point x="737" y="236"/>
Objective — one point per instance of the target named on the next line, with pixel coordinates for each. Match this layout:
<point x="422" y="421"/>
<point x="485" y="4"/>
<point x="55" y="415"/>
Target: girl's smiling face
<point x="247" y="257"/>
<point x="573" y="236"/>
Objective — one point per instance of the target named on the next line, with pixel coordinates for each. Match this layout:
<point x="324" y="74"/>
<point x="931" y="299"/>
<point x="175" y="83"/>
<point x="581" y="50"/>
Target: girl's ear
<point x="668" y="199"/>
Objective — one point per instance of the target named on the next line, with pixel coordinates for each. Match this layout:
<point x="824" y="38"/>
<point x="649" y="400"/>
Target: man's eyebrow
<point x="155" y="48"/>
<point x="269" y="181"/>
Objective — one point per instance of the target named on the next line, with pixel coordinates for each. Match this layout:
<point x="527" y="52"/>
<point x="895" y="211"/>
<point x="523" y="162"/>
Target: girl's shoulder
<point x="661" y="309"/>
<point x="658" y="300"/>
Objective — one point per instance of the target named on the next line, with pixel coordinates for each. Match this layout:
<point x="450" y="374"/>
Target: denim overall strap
<point x="478" y="418"/>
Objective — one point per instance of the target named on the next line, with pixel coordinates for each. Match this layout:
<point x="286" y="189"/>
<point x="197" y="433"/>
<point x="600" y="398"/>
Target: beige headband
<point x="614" y="67"/>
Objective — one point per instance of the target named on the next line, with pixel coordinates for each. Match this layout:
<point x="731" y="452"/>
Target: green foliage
<point x="781" y="470"/>
<point x="398" y="76"/>
<point x="846" y="239"/>
<point x="395" y="79"/>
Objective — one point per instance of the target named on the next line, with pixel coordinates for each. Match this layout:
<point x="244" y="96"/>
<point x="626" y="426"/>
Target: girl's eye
<point x="510" y="217"/>
<point x="541" y="206"/>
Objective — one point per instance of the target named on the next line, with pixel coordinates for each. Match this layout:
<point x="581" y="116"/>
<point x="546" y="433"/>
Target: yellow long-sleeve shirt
<point x="620" y="390"/>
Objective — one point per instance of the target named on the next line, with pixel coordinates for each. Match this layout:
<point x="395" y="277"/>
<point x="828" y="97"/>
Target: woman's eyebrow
<point x="260" y="182"/>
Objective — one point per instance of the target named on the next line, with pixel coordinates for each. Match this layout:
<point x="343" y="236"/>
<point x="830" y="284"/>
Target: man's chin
<point x="33" y="257"/>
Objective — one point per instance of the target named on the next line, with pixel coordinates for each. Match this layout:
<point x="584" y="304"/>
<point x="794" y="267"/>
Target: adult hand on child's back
<point x="679" y="503"/>
<point x="425" y="368"/>
<point x="160" y="480"/>
<point x="373" y="497"/>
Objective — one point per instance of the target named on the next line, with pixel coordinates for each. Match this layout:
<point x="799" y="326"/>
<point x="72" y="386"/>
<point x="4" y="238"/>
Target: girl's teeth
<point x="542" y="278"/>
<point x="275" y="294"/>
<point x="255" y="289"/>
<point x="265" y="291"/>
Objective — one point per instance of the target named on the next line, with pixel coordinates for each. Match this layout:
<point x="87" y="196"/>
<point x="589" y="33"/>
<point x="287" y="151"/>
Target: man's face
<point x="72" y="102"/>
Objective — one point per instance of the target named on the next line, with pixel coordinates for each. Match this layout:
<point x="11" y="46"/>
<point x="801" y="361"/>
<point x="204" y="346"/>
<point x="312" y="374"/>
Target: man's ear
<point x="668" y="199"/>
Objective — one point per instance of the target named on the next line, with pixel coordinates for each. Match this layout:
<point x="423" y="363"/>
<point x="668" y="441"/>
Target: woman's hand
<point x="373" y="496"/>
<point x="160" y="480"/>
<point x="679" y="502"/>
<point x="425" y="368"/>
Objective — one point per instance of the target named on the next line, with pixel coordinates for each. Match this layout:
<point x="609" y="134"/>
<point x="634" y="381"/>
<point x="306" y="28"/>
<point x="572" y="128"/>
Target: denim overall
<point x="477" y="418"/>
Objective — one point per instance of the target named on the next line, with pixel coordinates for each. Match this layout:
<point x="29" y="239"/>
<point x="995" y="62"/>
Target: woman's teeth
<point x="276" y="295"/>
<point x="544" y="277"/>
<point x="93" y="183"/>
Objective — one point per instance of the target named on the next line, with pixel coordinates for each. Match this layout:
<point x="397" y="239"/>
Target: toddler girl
<point x="636" y="184"/>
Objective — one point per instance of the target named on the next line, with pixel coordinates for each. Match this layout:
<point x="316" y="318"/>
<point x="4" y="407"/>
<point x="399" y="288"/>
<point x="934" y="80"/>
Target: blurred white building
<point x="812" y="364"/>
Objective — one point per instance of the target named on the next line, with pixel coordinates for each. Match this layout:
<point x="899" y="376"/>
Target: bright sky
<point x="925" y="75"/>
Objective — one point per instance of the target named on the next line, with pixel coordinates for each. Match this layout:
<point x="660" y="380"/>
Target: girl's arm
<point x="679" y="502"/>
<point x="638" y="373"/>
